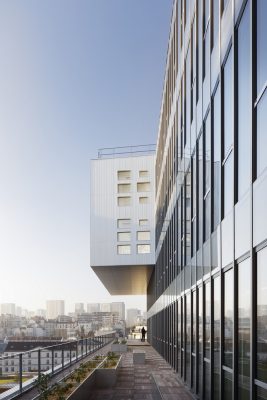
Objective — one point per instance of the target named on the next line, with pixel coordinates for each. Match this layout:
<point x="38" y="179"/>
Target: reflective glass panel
<point x="227" y="385"/>
<point x="216" y="167"/>
<point x="262" y="316"/>
<point x="200" y="338"/>
<point x="261" y="134"/>
<point x="261" y="44"/>
<point x="243" y="104"/>
<point x="216" y="336"/>
<point x="244" y="309"/>
<point x="228" y="184"/>
<point x="207" y="321"/>
<point x="228" y="104"/>
<point x="228" y="318"/>
<point x="188" y="336"/>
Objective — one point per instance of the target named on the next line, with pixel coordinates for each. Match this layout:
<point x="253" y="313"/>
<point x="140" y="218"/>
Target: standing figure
<point x="143" y="334"/>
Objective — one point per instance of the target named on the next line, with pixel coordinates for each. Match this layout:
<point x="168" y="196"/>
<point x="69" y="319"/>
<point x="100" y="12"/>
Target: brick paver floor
<point x="155" y="380"/>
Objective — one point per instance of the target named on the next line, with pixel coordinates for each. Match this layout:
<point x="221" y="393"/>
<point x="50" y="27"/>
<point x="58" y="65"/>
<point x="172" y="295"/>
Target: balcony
<point x="155" y="379"/>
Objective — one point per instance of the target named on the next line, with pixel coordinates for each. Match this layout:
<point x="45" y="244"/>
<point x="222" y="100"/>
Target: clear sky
<point x="75" y="76"/>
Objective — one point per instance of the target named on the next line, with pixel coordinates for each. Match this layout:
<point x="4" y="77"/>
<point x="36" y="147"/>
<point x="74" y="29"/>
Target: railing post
<point x="77" y="350"/>
<point x="39" y="363"/>
<point x="62" y="357"/>
<point x="52" y="360"/>
<point x="20" y="372"/>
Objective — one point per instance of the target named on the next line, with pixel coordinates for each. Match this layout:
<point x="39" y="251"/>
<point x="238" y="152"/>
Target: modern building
<point x="54" y="308"/>
<point x="132" y="317"/>
<point x="207" y="297"/>
<point x="93" y="307"/>
<point x="122" y="218"/>
<point x="118" y="307"/>
<point x="79" y="308"/>
<point x="105" y="307"/>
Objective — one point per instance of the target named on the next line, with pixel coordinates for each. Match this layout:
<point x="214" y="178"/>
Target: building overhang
<point x="124" y="279"/>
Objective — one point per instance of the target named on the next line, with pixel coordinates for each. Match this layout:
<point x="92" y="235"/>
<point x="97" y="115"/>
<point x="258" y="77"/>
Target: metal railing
<point x="127" y="151"/>
<point x="49" y="360"/>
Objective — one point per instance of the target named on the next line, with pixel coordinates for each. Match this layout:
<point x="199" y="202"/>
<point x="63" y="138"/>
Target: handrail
<point x="81" y="347"/>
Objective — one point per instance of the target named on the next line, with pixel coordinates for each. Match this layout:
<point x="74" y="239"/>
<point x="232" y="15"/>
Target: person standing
<point x="143" y="331"/>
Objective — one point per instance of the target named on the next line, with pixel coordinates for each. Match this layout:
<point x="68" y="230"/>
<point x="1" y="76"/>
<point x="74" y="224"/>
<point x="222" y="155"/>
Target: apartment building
<point x="207" y="296"/>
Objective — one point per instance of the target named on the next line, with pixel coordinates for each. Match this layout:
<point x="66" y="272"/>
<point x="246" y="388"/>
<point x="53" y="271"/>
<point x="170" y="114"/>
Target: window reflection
<point x="207" y="321"/>
<point x="216" y="336"/>
<point x="244" y="308"/>
<point x="261" y="134"/>
<point x="228" y="104"/>
<point x="262" y="316"/>
<point x="228" y="318"/>
<point x="243" y="104"/>
<point x="261" y="44"/>
<point x="188" y="336"/>
<point x="216" y="166"/>
<point x="200" y="339"/>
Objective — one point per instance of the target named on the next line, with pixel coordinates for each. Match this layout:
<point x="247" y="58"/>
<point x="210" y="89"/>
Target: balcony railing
<point x="27" y="366"/>
<point x="127" y="151"/>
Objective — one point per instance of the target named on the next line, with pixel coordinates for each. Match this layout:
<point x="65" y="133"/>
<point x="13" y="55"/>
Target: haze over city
<point x="75" y="77"/>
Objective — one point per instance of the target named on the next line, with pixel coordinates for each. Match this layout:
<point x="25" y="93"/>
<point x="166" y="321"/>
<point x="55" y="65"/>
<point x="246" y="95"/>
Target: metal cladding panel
<point x="105" y="210"/>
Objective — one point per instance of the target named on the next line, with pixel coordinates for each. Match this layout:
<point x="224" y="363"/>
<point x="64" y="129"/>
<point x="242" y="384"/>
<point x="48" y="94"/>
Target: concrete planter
<point x="119" y="347"/>
<point x="81" y="391"/>
<point x="99" y="377"/>
<point x="106" y="377"/>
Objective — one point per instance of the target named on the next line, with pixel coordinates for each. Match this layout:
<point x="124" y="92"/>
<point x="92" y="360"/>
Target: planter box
<point x="106" y="377"/>
<point x="81" y="392"/>
<point x="119" y="348"/>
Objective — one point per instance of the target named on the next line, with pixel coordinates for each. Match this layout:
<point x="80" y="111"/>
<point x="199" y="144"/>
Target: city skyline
<point x="54" y="117"/>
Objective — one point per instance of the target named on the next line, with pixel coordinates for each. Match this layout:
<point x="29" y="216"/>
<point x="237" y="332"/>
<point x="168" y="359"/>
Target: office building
<point x="54" y="308"/>
<point x="207" y="297"/>
<point x="122" y="218"/>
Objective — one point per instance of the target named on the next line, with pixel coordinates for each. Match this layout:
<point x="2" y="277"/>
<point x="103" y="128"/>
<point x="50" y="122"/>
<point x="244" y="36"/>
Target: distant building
<point x="79" y="308"/>
<point x="105" y="307"/>
<point x="8" y="308"/>
<point x="93" y="307"/>
<point x="132" y="317"/>
<point x="54" y="308"/>
<point x="118" y="307"/>
<point x="41" y="313"/>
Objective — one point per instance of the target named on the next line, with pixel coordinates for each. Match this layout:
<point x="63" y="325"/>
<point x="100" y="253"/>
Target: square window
<point x="143" y="222"/>
<point x="124" y="201"/>
<point x="143" y="174"/>
<point x="124" y="175"/>
<point x="124" y="188"/>
<point x="143" y="248"/>
<point x="143" y="200"/>
<point x="143" y="187"/>
<point x="124" y="249"/>
<point x="124" y="236"/>
<point x="143" y="235"/>
<point x="123" y="223"/>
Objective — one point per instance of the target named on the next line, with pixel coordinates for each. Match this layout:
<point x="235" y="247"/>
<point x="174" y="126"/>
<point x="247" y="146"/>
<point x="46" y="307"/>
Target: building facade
<point x="122" y="243"/>
<point x="54" y="308"/>
<point x="207" y="297"/>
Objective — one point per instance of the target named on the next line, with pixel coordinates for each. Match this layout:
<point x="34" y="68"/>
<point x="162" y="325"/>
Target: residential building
<point x="122" y="220"/>
<point x="54" y="308"/>
<point x="105" y="307"/>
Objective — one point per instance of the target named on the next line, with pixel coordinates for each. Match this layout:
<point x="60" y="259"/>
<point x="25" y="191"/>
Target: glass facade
<point x="210" y="277"/>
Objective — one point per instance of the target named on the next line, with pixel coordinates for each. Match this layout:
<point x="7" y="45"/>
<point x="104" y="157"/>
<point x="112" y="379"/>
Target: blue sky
<point x="75" y="76"/>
